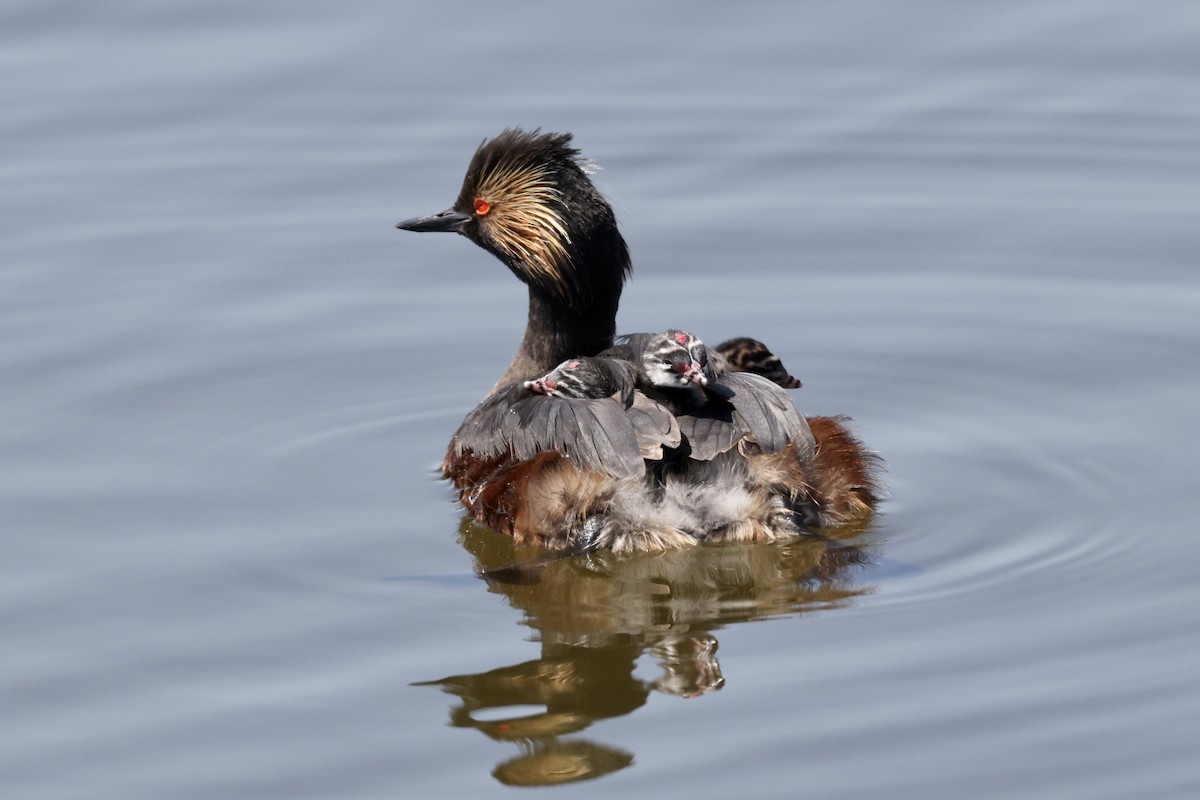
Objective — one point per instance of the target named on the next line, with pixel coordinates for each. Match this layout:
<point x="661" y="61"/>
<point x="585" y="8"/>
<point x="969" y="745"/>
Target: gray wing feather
<point x="742" y="404"/>
<point x="599" y="434"/>
<point x="655" y="427"/>
<point x="710" y="431"/>
<point x="592" y="433"/>
<point x="481" y="431"/>
<point x="765" y="411"/>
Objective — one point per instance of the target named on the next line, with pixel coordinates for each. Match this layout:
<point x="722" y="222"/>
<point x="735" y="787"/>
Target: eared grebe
<point x="651" y="443"/>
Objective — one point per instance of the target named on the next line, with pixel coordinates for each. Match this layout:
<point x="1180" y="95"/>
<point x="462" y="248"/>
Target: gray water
<point x="227" y="569"/>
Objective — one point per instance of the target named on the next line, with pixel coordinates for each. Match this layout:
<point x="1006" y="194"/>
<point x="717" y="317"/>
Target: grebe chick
<point x="602" y="472"/>
<point x="674" y="359"/>
<point x="750" y="355"/>
<point x="582" y="378"/>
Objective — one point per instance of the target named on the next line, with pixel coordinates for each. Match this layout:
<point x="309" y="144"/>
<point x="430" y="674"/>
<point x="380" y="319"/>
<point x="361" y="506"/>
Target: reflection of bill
<point x="597" y="615"/>
<point x="568" y="689"/>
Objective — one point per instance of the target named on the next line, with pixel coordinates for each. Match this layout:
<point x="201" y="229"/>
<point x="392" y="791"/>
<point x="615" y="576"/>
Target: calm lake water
<point x="227" y="569"/>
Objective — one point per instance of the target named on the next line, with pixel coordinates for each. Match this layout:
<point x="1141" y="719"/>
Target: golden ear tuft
<point x="527" y="224"/>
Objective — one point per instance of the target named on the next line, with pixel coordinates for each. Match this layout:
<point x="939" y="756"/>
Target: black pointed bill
<point x="448" y="220"/>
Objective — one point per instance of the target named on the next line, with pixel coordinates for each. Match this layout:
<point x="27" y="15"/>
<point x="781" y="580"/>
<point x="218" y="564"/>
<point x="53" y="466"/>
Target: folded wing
<point x="614" y="434"/>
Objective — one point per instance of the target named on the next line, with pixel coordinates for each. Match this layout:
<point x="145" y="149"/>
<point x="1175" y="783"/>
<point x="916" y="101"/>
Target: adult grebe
<point x="646" y="466"/>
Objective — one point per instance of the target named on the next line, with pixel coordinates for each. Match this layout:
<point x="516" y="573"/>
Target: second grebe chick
<point x="675" y="359"/>
<point x="750" y="355"/>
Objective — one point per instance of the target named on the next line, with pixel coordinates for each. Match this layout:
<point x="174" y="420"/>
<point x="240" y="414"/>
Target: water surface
<point x="228" y="568"/>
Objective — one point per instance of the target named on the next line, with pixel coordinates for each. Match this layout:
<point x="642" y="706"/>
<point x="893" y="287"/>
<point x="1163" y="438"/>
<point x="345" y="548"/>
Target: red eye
<point x="482" y="206"/>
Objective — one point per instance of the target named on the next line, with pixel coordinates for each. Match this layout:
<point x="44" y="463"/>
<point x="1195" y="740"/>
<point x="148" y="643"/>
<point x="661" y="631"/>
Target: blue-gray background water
<point x="227" y="569"/>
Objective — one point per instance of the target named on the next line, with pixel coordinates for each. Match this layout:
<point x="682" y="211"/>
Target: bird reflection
<point x="597" y="615"/>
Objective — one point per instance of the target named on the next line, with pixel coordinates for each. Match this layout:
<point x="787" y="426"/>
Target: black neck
<point x="556" y="332"/>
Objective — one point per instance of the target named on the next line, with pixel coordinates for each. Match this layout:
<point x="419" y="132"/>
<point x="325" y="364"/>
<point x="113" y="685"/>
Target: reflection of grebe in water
<point x="597" y="616"/>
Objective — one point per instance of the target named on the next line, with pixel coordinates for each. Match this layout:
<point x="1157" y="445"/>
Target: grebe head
<point x="676" y="359"/>
<point x="527" y="199"/>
